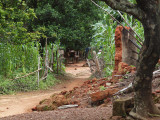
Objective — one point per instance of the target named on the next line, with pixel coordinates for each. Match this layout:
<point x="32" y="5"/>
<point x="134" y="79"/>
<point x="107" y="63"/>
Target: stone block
<point x="121" y="106"/>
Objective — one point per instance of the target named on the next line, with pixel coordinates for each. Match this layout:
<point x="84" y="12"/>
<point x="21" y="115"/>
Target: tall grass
<point x="18" y="60"/>
<point x="29" y="83"/>
<point x="104" y="39"/>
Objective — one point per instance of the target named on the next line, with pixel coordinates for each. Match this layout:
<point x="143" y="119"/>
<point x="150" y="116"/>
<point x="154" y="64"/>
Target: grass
<point x="17" y="61"/>
<point x="29" y="83"/>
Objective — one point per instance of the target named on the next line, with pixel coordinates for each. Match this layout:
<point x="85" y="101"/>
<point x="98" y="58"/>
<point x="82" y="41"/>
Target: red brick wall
<point x="118" y="52"/>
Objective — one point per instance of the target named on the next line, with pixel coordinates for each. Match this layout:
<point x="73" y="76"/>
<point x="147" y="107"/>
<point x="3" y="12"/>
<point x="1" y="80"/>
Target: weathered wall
<point x="118" y="48"/>
<point x="125" y="53"/>
<point x="121" y="67"/>
<point x="129" y="50"/>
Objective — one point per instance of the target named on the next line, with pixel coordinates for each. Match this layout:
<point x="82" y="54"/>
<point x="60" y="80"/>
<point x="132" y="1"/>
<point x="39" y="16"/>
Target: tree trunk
<point x="148" y="12"/>
<point x="147" y="61"/>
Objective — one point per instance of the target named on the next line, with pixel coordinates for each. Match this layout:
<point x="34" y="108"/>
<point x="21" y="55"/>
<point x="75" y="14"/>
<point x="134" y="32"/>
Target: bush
<point x="29" y="83"/>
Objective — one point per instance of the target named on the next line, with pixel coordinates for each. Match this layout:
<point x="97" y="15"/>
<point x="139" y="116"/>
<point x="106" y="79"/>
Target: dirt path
<point x="23" y="102"/>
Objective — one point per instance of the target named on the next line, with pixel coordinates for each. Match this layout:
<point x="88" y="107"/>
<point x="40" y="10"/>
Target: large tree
<point x="14" y="16"/>
<point x="148" y="12"/>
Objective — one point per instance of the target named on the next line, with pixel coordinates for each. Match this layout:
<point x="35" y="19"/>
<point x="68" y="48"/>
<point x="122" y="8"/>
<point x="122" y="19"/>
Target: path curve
<point x="23" y="102"/>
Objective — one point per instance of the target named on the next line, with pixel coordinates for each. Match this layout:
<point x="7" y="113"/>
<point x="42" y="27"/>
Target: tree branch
<point x="148" y="5"/>
<point x="126" y="6"/>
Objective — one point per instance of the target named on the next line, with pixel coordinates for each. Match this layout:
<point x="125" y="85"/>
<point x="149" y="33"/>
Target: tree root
<point x="154" y="115"/>
<point x="139" y="117"/>
<point x="136" y="116"/>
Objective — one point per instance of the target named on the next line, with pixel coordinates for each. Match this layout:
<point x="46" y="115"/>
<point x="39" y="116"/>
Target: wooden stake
<point x="60" y="67"/>
<point x="52" y="58"/>
<point x="46" y="62"/>
<point x="46" y="65"/>
<point x="57" y="61"/>
<point x="97" y="63"/>
<point x="38" y="71"/>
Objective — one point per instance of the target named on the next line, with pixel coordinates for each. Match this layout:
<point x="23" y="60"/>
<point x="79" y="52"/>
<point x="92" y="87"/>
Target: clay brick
<point x="101" y="95"/>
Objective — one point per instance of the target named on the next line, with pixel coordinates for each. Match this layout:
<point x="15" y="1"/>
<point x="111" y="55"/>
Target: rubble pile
<point x="92" y="93"/>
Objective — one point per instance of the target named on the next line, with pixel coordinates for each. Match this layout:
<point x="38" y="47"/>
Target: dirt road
<point x="23" y="102"/>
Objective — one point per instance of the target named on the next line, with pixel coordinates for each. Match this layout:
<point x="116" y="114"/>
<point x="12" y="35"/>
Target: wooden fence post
<point x="38" y="70"/>
<point x="52" y="58"/>
<point x="60" y="64"/>
<point x="97" y="63"/>
<point x="46" y="66"/>
<point x="45" y="63"/>
<point x="57" y="61"/>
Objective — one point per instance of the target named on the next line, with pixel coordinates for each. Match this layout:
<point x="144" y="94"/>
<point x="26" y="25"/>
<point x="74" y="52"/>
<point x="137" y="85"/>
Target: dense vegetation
<point x="68" y="21"/>
<point x="26" y="24"/>
<point x="103" y="38"/>
<point x="19" y="48"/>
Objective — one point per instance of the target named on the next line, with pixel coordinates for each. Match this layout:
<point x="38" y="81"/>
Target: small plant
<point x="121" y="80"/>
<point x="46" y="108"/>
<point x="102" y="88"/>
<point x="125" y="76"/>
<point x="132" y="66"/>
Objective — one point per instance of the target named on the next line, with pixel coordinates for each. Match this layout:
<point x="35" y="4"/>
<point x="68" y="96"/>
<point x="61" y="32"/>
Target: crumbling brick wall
<point x="118" y="48"/>
<point x="121" y="42"/>
<point x="119" y="68"/>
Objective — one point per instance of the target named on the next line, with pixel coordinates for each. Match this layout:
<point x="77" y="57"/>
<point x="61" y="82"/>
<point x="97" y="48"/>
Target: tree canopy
<point x="14" y="18"/>
<point x="68" y="21"/>
<point x="23" y="23"/>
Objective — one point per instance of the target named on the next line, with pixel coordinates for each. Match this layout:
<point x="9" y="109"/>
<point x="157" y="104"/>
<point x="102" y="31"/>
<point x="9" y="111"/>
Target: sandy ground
<point x="23" y="102"/>
<point x="78" y="71"/>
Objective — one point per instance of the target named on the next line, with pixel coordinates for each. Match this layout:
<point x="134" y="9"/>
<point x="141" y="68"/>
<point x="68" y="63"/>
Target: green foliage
<point x="18" y="58"/>
<point x="133" y="1"/>
<point x="50" y="81"/>
<point x="18" y="53"/>
<point x="135" y="24"/>
<point x="56" y="46"/>
<point x="29" y="83"/>
<point x="13" y="22"/>
<point x="104" y="39"/>
<point x="68" y="21"/>
<point x="102" y="88"/>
